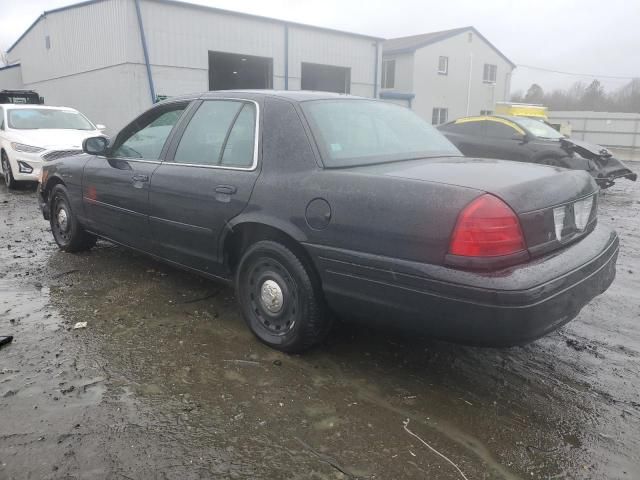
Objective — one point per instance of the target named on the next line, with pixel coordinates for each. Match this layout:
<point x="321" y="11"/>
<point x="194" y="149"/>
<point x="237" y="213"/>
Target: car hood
<point x="524" y="186"/>
<point x="54" y="139"/>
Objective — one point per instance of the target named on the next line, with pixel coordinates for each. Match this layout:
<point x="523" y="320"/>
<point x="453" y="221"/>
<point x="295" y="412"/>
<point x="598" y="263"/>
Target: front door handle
<point x="226" y="189"/>
<point x="140" y="178"/>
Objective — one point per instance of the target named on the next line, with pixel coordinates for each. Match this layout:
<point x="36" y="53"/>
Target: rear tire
<point x="280" y="298"/>
<point x="9" y="181"/>
<point x="67" y="231"/>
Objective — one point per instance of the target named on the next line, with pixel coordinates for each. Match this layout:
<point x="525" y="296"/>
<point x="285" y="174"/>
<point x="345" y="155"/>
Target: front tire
<point x="67" y="231"/>
<point x="280" y="298"/>
<point x="9" y="181"/>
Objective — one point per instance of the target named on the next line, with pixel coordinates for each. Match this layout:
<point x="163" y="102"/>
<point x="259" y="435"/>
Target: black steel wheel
<point x="280" y="297"/>
<point x="9" y="181"/>
<point x="67" y="231"/>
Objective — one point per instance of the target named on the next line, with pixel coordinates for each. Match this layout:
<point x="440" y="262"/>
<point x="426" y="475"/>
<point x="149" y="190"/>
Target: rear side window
<point x="465" y="128"/>
<point x="238" y="151"/>
<point x="221" y="132"/>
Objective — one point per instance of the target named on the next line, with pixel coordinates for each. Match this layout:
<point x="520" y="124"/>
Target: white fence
<point x="620" y="132"/>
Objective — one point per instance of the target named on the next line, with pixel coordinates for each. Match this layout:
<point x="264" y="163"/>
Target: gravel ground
<point x="166" y="382"/>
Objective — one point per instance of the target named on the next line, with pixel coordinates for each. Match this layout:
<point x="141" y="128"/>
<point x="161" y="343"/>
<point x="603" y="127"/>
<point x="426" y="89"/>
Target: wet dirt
<point x="166" y="381"/>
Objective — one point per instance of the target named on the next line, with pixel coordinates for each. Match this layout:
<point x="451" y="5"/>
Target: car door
<point x="206" y="180"/>
<point x="116" y="186"/>
<point x="467" y="135"/>
<point x="505" y="140"/>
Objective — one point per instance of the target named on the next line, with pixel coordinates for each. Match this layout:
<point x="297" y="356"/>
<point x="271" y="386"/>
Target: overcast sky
<point x="594" y="37"/>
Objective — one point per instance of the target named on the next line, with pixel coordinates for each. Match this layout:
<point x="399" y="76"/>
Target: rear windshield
<point x="362" y="132"/>
<point x="46" y="118"/>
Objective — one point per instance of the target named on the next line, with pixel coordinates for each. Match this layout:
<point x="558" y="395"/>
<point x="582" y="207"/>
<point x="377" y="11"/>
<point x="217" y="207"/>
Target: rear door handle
<point x="226" y="189"/>
<point x="140" y="178"/>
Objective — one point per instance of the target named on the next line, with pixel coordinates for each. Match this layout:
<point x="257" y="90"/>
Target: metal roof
<point x="199" y="7"/>
<point x="6" y="67"/>
<point x="414" y="42"/>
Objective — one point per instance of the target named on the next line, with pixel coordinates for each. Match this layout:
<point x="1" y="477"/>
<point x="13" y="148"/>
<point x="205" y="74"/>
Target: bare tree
<point x="581" y="96"/>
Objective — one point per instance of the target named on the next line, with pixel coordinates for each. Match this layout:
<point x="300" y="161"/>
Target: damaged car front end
<point x="597" y="161"/>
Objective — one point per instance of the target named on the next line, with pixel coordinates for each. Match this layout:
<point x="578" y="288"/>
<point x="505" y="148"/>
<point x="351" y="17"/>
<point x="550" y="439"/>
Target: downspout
<point x="286" y="56"/>
<point x="143" y="40"/>
<point x="375" y="71"/>
<point x="469" y="83"/>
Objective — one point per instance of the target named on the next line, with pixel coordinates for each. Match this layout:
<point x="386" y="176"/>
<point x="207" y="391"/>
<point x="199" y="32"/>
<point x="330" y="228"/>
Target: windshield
<point x="539" y="128"/>
<point x="47" y="118"/>
<point x="361" y="132"/>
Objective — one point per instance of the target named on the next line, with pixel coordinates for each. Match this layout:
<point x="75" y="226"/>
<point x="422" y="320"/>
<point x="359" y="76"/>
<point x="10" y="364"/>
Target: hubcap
<point x="63" y="221"/>
<point x="271" y="296"/>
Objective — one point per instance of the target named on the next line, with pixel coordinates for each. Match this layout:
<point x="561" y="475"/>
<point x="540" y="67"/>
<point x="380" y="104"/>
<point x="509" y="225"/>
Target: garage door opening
<point x="326" y="78"/>
<point x="228" y="71"/>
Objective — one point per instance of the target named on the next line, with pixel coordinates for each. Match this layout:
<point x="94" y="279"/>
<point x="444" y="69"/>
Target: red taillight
<point x="487" y="227"/>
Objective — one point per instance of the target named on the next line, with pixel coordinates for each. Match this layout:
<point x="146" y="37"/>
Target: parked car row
<point x="31" y="135"/>
<point x="532" y="140"/>
<point x="314" y="205"/>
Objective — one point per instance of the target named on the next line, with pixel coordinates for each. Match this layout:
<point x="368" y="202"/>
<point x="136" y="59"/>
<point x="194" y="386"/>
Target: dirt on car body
<point x="165" y="381"/>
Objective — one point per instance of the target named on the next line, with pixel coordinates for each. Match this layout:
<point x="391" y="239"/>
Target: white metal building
<point x="619" y="132"/>
<point x="445" y="75"/>
<point x="111" y="58"/>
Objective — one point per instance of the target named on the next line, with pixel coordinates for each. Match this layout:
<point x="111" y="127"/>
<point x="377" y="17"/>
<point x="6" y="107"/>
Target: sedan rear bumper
<point x="513" y="306"/>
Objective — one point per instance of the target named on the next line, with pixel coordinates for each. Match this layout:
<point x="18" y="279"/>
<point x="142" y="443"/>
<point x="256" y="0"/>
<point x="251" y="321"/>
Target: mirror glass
<point x="95" y="145"/>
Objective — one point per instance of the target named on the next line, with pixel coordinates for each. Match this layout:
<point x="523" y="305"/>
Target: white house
<point x="111" y="59"/>
<point x="445" y="75"/>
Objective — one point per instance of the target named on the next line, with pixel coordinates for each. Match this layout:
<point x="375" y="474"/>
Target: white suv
<point x="33" y="134"/>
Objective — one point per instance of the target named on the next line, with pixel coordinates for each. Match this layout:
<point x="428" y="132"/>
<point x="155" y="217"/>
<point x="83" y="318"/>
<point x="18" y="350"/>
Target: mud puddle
<point x="168" y="382"/>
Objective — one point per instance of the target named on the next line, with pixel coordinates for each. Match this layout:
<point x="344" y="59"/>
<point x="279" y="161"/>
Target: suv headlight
<point x="20" y="147"/>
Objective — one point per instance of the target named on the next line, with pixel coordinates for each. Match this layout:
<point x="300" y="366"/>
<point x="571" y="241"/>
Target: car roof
<point x="292" y="95"/>
<point x="35" y="105"/>
<point x="478" y="118"/>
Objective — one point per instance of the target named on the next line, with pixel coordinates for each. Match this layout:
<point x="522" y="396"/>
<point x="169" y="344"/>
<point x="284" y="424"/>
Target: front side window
<point x="388" y="73"/>
<point x="443" y="65"/>
<point x="221" y="132"/>
<point x="539" y="128"/>
<point x="490" y="73"/>
<point x="1" y="119"/>
<point x="364" y="132"/>
<point x="499" y="130"/>
<point x="439" y="115"/>
<point x="47" y="119"/>
<point x="146" y="137"/>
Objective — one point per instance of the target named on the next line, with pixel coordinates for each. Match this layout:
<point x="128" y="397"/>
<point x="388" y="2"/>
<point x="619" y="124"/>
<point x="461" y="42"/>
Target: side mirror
<point x="95" y="145"/>
<point x="100" y="126"/>
<point x="519" y="137"/>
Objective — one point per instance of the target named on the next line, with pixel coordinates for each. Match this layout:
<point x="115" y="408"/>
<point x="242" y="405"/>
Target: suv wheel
<point x="67" y="231"/>
<point x="9" y="181"/>
<point x="280" y="298"/>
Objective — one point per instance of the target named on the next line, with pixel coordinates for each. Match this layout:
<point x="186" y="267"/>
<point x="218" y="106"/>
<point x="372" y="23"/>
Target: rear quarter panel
<point x="369" y="213"/>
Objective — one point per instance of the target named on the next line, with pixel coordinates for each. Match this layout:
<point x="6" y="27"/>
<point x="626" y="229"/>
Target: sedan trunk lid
<point x="550" y="202"/>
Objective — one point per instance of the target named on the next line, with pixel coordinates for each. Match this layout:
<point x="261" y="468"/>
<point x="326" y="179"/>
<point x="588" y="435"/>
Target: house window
<point x="47" y="42"/>
<point x="443" y="65"/>
<point x="486" y="112"/>
<point x="490" y="73"/>
<point x="388" y="73"/>
<point x="439" y="115"/>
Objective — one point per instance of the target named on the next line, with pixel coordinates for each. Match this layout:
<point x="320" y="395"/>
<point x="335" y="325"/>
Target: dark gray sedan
<point x="314" y="203"/>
